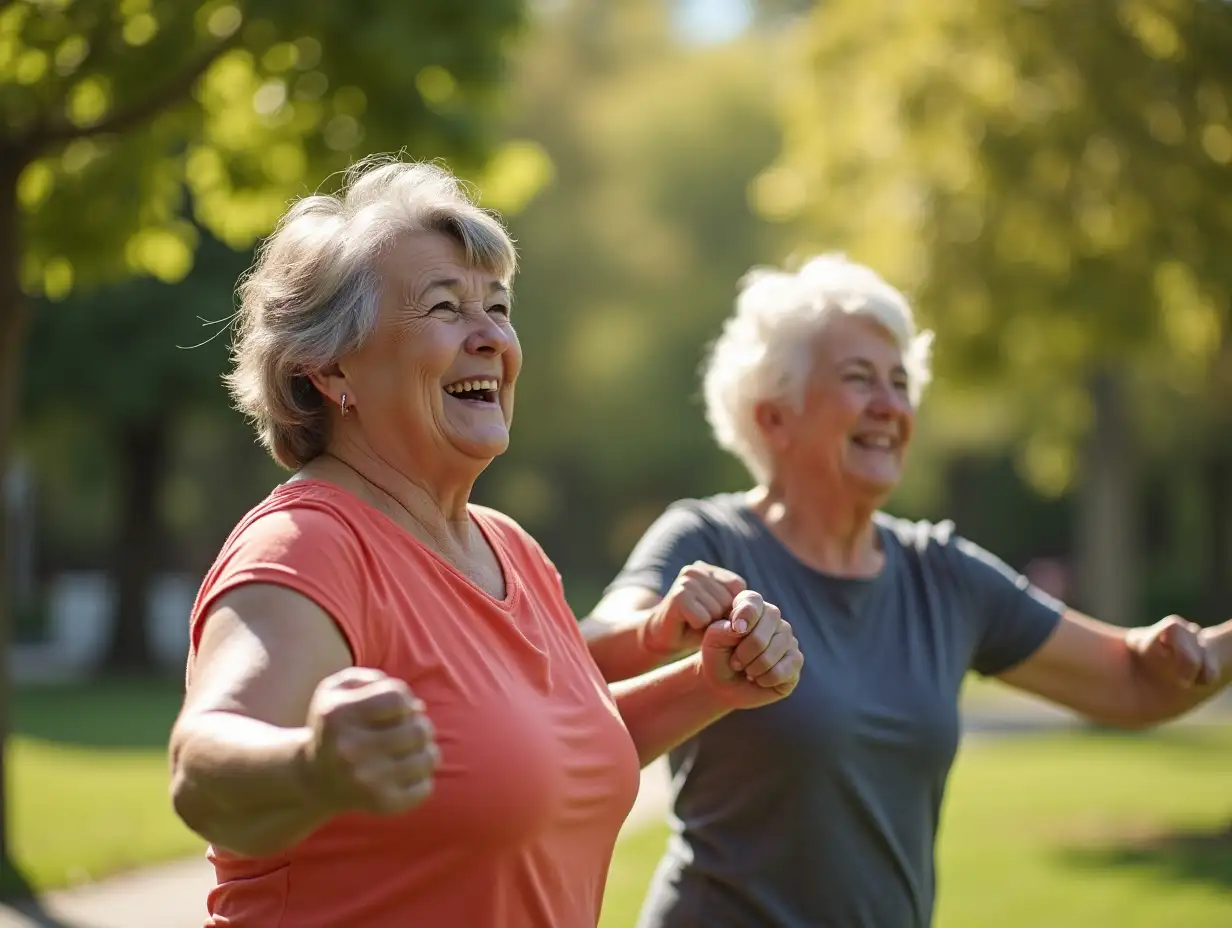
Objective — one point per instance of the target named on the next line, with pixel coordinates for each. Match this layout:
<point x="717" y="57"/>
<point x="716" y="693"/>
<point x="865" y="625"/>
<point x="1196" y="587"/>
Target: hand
<point x="1173" y="653"/>
<point x="752" y="658"/>
<point x="372" y="746"/>
<point x="701" y="594"/>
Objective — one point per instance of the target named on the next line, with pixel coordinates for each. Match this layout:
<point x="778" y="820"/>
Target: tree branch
<point x="142" y="111"/>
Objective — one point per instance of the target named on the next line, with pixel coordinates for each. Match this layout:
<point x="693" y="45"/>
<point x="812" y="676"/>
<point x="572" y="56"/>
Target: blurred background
<point x="1050" y="183"/>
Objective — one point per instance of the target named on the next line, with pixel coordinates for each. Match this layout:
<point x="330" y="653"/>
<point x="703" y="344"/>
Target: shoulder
<point x="299" y="519"/>
<point x="936" y="547"/>
<point x="919" y="536"/>
<point x="720" y="514"/>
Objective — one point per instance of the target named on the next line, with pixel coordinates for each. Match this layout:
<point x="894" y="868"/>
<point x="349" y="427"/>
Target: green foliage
<point x="1052" y="182"/>
<point x="630" y="261"/>
<point x="134" y="110"/>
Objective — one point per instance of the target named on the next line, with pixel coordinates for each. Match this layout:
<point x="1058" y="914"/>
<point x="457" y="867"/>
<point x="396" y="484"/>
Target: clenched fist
<point x="701" y="594"/>
<point x="1173" y="652"/>
<point x="752" y="658"/>
<point x="372" y="745"/>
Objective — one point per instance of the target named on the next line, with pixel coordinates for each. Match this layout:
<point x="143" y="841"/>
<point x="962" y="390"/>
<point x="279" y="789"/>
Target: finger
<point x="731" y="582"/>
<point x="385" y="790"/>
<point x="746" y="609"/>
<point x="700" y="607"/>
<point x="758" y="637"/>
<point x="787" y="671"/>
<point x="354" y="678"/>
<point x="386" y="704"/>
<point x="421" y="765"/>
<point x="779" y="645"/>
<point x="1185" y="655"/>
<point x="1210" y="671"/>
<point x="407" y="737"/>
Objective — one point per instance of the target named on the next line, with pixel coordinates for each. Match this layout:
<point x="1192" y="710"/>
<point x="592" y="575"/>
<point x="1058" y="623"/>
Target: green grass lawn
<point x="1080" y="830"/>
<point x="88" y="781"/>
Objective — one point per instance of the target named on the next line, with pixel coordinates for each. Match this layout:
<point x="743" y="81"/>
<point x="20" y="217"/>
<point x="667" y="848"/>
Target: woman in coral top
<point x="391" y="716"/>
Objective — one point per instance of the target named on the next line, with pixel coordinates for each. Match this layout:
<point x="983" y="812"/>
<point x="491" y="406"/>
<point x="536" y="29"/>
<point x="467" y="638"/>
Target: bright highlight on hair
<point x="764" y="350"/>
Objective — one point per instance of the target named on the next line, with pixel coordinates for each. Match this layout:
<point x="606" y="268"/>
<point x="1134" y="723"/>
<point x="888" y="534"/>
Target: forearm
<point x="666" y="707"/>
<point x="239" y="783"/>
<point x="619" y="648"/>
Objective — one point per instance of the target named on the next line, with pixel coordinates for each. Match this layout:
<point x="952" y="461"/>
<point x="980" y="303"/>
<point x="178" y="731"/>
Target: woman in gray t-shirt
<point x="822" y="809"/>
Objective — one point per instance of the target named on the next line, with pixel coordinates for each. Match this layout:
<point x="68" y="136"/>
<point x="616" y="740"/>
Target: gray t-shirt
<point x="820" y="811"/>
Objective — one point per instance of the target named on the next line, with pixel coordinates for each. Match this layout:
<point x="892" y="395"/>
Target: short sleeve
<point x="680" y="536"/>
<point x="1013" y="618"/>
<point x="309" y="550"/>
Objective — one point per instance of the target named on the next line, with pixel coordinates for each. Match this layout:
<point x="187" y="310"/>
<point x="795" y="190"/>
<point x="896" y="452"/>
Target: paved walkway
<point x="173" y="895"/>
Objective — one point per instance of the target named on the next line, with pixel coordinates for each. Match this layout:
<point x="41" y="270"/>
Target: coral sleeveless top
<point x="537" y="770"/>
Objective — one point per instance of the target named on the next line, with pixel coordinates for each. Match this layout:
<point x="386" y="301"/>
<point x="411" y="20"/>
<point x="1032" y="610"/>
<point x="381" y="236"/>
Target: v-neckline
<point x="507" y="603"/>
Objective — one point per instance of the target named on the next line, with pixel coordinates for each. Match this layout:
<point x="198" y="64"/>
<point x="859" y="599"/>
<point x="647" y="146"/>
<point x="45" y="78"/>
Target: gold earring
<point x="343" y="405"/>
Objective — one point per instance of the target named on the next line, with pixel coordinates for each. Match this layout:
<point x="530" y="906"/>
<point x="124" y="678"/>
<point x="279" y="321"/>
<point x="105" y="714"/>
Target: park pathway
<point x="173" y="895"/>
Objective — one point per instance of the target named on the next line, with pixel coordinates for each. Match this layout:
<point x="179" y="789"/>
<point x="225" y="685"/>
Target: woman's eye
<point x="499" y="308"/>
<point x="446" y="307"/>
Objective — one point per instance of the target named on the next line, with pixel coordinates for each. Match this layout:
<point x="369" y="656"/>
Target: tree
<point x="1052" y="183"/>
<point x="630" y="261"/>
<point x="119" y="117"/>
<point x="135" y="358"/>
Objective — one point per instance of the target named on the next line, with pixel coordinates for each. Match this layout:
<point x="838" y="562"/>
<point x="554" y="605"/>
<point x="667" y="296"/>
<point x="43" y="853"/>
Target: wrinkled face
<point x="856" y="419"/>
<point x="437" y="376"/>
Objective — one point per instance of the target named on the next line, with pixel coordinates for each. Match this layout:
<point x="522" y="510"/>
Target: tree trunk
<point x="1108" y="525"/>
<point x="12" y="331"/>
<point x="144" y="448"/>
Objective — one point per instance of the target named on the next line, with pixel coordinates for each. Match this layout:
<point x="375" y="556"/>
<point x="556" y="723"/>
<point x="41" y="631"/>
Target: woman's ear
<point x="331" y="383"/>
<point x="770" y="418"/>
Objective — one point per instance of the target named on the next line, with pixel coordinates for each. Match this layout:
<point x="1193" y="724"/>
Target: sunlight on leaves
<point x="1153" y="31"/>
<point x="70" y="54"/>
<point x="223" y="21"/>
<point x="515" y="175"/>
<point x="165" y="253"/>
<point x="89" y="100"/>
<point x="139" y="29"/>
<point x="1048" y="464"/>
<point x="1217" y="143"/>
<point x="778" y="194"/>
<point x="31" y="66"/>
<point x="35" y="185"/>
<point x="57" y="278"/>
<point x="436" y="85"/>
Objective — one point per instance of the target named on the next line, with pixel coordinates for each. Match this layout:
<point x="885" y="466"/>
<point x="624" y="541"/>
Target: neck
<point x="436" y="506"/>
<point x="827" y="530"/>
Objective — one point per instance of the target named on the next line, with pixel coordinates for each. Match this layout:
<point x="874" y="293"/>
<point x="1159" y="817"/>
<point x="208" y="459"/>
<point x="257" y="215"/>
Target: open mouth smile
<point x="484" y="391"/>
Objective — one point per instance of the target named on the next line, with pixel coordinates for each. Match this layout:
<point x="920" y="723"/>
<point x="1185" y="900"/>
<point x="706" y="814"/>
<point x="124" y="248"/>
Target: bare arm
<point x="1099" y="671"/>
<point x="615" y="632"/>
<point x="749" y="660"/>
<point x="666" y="707"/>
<point x="634" y="629"/>
<point x="239" y="748"/>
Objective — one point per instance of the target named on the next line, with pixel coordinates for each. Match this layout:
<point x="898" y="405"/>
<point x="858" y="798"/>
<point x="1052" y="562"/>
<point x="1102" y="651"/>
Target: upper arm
<point x="1010" y="619"/>
<point x="284" y="607"/>
<point x="678" y="537"/>
<point x="618" y="603"/>
<point x="263" y="650"/>
<point x="1084" y="665"/>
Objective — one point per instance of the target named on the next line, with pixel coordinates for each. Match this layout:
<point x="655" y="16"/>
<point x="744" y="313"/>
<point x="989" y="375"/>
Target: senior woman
<point x="391" y="717"/>
<point x="822" y="810"/>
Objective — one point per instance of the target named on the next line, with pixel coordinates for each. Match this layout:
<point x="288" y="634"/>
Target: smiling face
<point x="856" y="419"/>
<point x="437" y="376"/>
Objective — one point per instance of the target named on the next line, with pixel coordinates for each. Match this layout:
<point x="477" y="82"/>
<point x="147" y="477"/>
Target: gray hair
<point x="313" y="294"/>
<point x="764" y="351"/>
